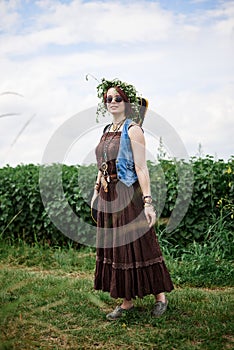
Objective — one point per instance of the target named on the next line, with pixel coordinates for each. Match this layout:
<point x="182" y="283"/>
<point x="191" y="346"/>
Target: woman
<point x="129" y="261"/>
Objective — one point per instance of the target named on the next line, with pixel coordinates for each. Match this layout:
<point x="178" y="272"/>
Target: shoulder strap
<point x="106" y="127"/>
<point x="132" y="124"/>
<point x="135" y="124"/>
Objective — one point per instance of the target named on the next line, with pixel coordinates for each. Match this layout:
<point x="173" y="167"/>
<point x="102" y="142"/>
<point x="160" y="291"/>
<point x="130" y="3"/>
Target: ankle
<point x="160" y="297"/>
<point x="127" y="304"/>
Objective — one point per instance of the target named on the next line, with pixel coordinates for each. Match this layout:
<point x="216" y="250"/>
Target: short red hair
<point x="128" y="107"/>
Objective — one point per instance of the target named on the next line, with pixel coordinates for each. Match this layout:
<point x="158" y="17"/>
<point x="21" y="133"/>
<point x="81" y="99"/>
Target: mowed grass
<point x="48" y="302"/>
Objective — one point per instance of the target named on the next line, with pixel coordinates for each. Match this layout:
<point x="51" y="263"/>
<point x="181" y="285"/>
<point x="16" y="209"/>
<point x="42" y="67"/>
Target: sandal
<point x="159" y="308"/>
<point x="117" y="313"/>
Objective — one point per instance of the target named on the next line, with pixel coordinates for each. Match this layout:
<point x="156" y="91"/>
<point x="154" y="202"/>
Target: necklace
<point x="106" y="144"/>
<point x="115" y="126"/>
<point x="104" y="166"/>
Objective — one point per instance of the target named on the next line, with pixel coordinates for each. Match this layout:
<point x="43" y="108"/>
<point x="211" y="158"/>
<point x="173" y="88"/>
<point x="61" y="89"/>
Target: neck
<point x="117" y="125"/>
<point x="118" y="118"/>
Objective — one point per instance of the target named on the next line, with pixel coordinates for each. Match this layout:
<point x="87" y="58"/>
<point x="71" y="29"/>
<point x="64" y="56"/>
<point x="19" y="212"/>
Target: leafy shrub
<point x="22" y="213"/>
<point x="212" y="199"/>
<point x="211" y="206"/>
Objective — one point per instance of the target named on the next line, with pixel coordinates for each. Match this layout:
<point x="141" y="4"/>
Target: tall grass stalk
<point x="10" y="222"/>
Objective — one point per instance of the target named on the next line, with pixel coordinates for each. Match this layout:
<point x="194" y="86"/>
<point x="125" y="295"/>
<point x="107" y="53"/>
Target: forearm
<point x="144" y="180"/>
<point x="139" y="155"/>
<point x="99" y="176"/>
<point x="98" y="182"/>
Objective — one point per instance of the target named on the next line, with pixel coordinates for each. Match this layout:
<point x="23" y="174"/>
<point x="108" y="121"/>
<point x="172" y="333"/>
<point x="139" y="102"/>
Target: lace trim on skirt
<point x="126" y="266"/>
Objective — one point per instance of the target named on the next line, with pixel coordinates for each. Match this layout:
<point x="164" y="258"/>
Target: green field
<point x="48" y="302"/>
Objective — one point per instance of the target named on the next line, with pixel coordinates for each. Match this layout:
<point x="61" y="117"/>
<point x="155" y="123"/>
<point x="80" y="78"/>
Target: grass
<point x="48" y="302"/>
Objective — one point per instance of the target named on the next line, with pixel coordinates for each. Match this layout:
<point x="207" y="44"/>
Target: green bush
<point x="22" y="213"/>
<point x="208" y="186"/>
<point x="211" y="204"/>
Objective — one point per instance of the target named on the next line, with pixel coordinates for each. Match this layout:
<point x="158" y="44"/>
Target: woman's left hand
<point x="150" y="215"/>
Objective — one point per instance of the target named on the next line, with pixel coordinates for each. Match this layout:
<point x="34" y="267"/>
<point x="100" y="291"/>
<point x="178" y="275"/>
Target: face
<point x="113" y="106"/>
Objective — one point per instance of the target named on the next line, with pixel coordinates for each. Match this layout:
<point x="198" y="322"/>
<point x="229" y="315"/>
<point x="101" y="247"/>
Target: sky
<point x="178" y="54"/>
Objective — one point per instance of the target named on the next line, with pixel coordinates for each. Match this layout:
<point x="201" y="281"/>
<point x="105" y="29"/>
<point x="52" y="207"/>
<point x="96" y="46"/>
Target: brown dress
<point x="129" y="262"/>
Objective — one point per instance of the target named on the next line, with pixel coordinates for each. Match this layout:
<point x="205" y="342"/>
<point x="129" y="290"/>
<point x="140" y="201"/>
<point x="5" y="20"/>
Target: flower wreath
<point x="130" y="92"/>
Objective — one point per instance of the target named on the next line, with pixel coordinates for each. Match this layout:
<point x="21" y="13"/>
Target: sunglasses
<point x="117" y="99"/>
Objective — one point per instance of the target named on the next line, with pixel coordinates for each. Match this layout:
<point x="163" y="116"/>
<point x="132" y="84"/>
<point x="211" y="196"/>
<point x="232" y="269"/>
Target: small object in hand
<point x="97" y="186"/>
<point x="94" y="210"/>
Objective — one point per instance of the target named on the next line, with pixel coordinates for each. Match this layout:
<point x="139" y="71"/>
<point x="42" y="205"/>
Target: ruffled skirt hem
<point x="132" y="282"/>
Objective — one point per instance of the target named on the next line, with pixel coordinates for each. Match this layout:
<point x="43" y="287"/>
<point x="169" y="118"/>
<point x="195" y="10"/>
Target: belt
<point x="111" y="177"/>
<point x="105" y="179"/>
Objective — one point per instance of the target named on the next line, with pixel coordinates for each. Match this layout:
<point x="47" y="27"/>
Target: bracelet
<point x="147" y="205"/>
<point x="149" y="200"/>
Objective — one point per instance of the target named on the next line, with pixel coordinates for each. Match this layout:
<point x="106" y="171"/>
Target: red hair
<point x="128" y="108"/>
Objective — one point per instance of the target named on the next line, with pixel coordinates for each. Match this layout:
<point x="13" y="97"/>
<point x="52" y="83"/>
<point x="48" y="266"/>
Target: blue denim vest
<point x="125" y="166"/>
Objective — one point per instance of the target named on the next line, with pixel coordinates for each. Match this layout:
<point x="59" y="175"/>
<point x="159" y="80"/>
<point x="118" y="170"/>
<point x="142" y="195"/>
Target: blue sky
<point x="179" y="54"/>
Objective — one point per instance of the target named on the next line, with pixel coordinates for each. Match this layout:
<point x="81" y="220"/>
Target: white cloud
<point x="182" y="62"/>
<point x="77" y="22"/>
<point x="202" y="118"/>
<point x="8" y="14"/>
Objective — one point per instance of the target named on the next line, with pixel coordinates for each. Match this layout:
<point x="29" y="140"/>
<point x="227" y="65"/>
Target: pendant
<point x="105" y="156"/>
<point x="104" y="167"/>
<point x="104" y="184"/>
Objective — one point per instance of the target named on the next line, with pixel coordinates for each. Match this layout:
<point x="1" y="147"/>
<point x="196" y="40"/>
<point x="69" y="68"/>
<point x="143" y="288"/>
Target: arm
<point x="96" y="187"/>
<point x="138" y="148"/>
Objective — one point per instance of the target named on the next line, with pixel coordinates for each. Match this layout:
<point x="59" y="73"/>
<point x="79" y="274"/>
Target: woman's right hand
<point x="150" y="215"/>
<point x="95" y="195"/>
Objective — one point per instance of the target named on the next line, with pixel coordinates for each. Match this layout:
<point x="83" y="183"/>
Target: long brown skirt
<point x="129" y="261"/>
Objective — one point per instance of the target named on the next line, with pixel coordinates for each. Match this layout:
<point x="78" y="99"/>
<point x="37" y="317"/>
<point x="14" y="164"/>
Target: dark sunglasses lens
<point x="118" y="99"/>
<point x="109" y="99"/>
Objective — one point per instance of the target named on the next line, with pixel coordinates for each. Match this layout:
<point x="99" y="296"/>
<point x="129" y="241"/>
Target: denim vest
<point x="125" y="166"/>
